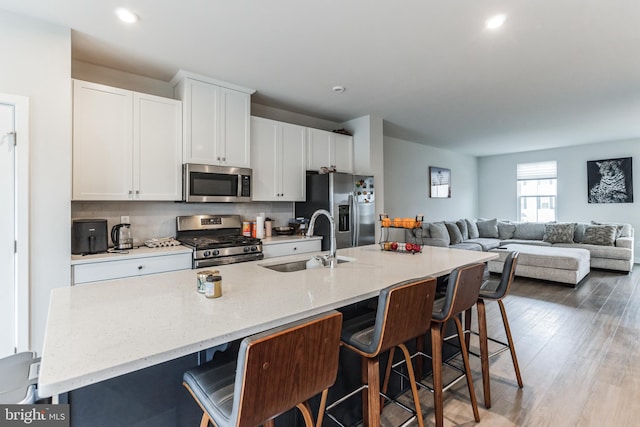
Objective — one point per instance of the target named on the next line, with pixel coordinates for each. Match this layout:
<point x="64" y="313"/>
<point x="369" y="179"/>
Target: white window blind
<point x="538" y="170"/>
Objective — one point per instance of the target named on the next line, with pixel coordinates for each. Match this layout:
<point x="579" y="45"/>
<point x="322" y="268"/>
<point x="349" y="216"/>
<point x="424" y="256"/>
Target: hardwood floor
<point x="579" y="354"/>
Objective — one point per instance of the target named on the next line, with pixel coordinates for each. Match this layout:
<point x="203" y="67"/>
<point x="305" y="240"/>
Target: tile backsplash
<point x="158" y="219"/>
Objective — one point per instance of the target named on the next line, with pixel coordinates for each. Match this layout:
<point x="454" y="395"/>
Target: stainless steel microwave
<point x="207" y="183"/>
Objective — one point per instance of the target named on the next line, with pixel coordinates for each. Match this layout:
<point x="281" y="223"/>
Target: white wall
<point x="497" y="183"/>
<point x="37" y="63"/>
<point x="406" y="187"/>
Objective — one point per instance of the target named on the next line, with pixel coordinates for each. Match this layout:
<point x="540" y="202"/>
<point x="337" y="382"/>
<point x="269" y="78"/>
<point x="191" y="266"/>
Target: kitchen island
<point x="107" y="329"/>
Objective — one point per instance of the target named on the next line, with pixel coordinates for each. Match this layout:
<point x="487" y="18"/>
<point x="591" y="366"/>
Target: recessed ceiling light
<point x="338" y="89"/>
<point x="126" y="15"/>
<point x="495" y="21"/>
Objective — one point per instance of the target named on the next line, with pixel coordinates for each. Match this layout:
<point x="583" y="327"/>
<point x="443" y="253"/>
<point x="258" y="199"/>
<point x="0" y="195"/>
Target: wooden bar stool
<point x="492" y="290"/>
<point x="461" y="294"/>
<point x="403" y="313"/>
<point x="276" y="370"/>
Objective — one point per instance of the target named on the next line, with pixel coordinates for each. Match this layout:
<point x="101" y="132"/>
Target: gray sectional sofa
<point x="610" y="245"/>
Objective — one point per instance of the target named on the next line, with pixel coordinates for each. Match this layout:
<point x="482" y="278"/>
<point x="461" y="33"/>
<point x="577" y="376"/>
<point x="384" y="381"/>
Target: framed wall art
<point x="610" y="181"/>
<point x="440" y="182"/>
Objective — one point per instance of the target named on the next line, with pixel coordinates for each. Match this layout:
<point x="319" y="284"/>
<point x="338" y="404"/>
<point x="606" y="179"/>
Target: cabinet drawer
<point x="85" y="273"/>
<point x="291" y="248"/>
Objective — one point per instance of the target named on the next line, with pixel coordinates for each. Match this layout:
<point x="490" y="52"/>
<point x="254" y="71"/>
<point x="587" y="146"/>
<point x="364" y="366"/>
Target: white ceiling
<point x="560" y="72"/>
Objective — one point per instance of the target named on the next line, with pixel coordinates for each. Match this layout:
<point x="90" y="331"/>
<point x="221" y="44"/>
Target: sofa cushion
<point x="529" y="231"/>
<point x="439" y="231"/>
<point x="470" y="246"/>
<point x="464" y="228"/>
<point x="455" y="236"/>
<point x="600" y="251"/>
<point x="488" y="228"/>
<point x="473" y="229"/>
<point x="578" y="233"/>
<point x="486" y="243"/>
<point x="505" y="230"/>
<point x="524" y="242"/>
<point x="559" y="233"/>
<point x="600" y="235"/>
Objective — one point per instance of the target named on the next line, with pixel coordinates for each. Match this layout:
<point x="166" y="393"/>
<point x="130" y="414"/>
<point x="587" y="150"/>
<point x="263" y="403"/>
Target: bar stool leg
<point x="305" y="410"/>
<point x="436" y="360"/>
<point x="414" y="386"/>
<point x="272" y="423"/>
<point x="204" y="422"/>
<point x="323" y="405"/>
<point x="371" y="394"/>
<point x="507" y="330"/>
<point x="467" y="368"/>
<point x="484" y="352"/>
<point x="387" y="376"/>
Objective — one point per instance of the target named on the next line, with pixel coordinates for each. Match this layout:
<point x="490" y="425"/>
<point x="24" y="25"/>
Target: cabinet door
<point x="318" y="149"/>
<point x="264" y="138"/>
<point x="343" y="153"/>
<point x="235" y="128"/>
<point x="293" y="161"/>
<point x="157" y="148"/>
<point x="102" y="142"/>
<point x="201" y="121"/>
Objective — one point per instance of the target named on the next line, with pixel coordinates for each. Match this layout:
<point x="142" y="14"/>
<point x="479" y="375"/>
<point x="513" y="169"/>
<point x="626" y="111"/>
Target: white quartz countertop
<point x="140" y="252"/>
<point x="115" y="327"/>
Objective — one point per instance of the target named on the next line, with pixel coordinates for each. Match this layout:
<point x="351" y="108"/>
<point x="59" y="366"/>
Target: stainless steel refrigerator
<point x="351" y="201"/>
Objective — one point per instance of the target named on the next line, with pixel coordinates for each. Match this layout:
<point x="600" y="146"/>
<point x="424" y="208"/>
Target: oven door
<point x="207" y="183"/>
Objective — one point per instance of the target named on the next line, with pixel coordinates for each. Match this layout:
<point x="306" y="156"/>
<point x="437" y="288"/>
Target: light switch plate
<point x="124" y="219"/>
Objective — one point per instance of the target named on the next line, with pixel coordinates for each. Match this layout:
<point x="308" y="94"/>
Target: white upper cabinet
<point x="278" y="156"/>
<point x="329" y="149"/>
<point x="216" y="121"/>
<point x="126" y="145"/>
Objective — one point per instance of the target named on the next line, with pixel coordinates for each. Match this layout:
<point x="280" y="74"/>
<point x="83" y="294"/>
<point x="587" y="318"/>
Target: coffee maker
<point x="121" y="237"/>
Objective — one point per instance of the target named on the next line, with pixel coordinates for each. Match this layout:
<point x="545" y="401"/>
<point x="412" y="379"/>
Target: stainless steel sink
<point x="288" y="267"/>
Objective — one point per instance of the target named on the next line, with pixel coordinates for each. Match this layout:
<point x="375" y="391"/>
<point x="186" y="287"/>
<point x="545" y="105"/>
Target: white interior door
<point x="8" y="331"/>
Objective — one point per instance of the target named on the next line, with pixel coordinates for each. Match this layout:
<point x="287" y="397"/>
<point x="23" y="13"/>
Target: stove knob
<point x="207" y="254"/>
<point x="247" y="249"/>
<point x="253" y="249"/>
<point x="216" y="252"/>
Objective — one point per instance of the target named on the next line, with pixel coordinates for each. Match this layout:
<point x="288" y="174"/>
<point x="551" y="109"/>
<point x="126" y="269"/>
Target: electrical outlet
<point x="124" y="219"/>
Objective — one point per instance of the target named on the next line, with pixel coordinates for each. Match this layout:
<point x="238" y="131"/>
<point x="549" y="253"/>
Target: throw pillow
<point x="604" y="235"/>
<point x="455" y="236"/>
<point x="464" y="229"/>
<point x="506" y="230"/>
<point x="473" y="229"/>
<point x="622" y="230"/>
<point x="488" y="229"/>
<point x="439" y="231"/>
<point x="529" y="231"/>
<point x="559" y="233"/>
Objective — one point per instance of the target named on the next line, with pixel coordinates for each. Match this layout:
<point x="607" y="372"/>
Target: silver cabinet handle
<point x="137" y="191"/>
<point x="140" y="267"/>
<point x="130" y="191"/>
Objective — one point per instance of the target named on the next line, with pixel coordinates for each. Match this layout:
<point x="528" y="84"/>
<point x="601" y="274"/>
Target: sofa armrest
<point x="624" y="242"/>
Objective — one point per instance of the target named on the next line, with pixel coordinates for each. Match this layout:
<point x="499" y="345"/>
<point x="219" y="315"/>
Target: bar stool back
<point x="461" y="294"/>
<point x="403" y="313"/>
<point x="493" y="291"/>
<point x="275" y="371"/>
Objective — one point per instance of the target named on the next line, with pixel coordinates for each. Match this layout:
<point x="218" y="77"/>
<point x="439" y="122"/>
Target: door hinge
<point x="15" y="246"/>
<point x="15" y="137"/>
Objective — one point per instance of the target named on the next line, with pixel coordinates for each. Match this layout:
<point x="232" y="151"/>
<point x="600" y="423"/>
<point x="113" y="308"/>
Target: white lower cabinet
<point x="278" y="155"/>
<point x="131" y="267"/>
<point x="276" y="249"/>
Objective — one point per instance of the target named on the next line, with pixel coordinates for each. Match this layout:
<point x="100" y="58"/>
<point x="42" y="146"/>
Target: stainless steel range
<point x="217" y="240"/>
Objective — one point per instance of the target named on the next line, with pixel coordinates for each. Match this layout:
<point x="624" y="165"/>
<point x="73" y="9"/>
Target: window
<point x="537" y="190"/>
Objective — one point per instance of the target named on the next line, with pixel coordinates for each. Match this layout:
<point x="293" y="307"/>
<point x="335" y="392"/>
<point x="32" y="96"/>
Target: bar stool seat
<point x="403" y="313"/>
<point x="275" y="371"/>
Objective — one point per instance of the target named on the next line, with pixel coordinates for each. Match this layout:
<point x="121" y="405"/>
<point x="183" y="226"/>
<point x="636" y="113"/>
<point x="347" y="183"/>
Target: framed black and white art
<point x="610" y="181"/>
<point x="440" y="182"/>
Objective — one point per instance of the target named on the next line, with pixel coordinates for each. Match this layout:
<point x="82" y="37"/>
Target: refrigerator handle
<point x="356" y="220"/>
